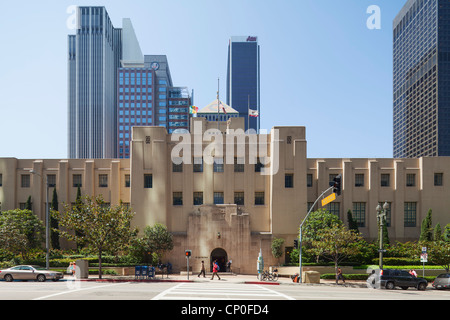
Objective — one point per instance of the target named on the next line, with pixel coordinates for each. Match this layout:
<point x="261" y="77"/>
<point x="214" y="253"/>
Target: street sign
<point x="328" y="199"/>
<point x="424" y="257"/>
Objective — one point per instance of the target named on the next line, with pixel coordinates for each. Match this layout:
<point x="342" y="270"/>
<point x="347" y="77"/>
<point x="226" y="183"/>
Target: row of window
<point x="385" y="179"/>
<point x="359" y="213"/>
<point x="177" y="198"/>
<point x="238" y="167"/>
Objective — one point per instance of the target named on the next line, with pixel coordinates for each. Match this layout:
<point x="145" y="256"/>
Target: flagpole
<point x="248" y="113"/>
<point x="218" y="105"/>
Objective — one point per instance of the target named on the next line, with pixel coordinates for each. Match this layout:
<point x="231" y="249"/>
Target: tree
<point x="437" y="233"/>
<point x="21" y="230"/>
<point x="426" y="232"/>
<point x="277" y="248"/>
<point x="439" y="253"/>
<point x="352" y="224"/>
<point x="54" y="236"/>
<point x="336" y="244"/>
<point x="102" y="227"/>
<point x="446" y="235"/>
<point x="157" y="239"/>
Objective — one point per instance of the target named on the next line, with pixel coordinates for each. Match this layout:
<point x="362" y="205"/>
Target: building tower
<point x="94" y="54"/>
<point x="243" y="78"/>
<point x="421" y="77"/>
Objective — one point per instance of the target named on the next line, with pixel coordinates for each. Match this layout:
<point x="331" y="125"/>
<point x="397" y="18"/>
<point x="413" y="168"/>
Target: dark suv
<point x="391" y="278"/>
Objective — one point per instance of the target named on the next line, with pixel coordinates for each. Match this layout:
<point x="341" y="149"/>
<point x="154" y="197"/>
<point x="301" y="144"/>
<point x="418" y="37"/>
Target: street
<point x="214" y="290"/>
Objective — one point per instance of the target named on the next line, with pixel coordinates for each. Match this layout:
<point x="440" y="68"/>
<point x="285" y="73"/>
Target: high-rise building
<point x="94" y="55"/>
<point x="421" y="79"/>
<point x="113" y="87"/>
<point x="243" y="78"/>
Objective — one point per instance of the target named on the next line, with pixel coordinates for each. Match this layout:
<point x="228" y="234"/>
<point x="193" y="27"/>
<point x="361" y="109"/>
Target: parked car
<point x="29" y="273"/>
<point x="442" y="281"/>
<point x="391" y="278"/>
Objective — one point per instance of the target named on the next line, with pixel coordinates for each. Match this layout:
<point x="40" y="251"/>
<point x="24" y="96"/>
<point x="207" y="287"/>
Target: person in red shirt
<point x="215" y="270"/>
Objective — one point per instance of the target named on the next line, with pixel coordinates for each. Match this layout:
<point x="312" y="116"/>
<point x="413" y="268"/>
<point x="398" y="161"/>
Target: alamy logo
<point x="374" y="21"/>
<point x="214" y="146"/>
<point x="71" y="21"/>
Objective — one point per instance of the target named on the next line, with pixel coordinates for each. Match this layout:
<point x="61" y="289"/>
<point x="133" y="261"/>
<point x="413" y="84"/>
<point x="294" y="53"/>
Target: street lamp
<point x="47" y="224"/>
<point x="381" y="215"/>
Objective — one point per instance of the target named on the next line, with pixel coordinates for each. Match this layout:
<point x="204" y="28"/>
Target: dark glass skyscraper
<point x="421" y="34"/>
<point x="243" y="79"/>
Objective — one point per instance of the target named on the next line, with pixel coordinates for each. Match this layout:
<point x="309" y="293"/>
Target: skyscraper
<point x="421" y="79"/>
<point x="243" y="78"/>
<point x="94" y="54"/>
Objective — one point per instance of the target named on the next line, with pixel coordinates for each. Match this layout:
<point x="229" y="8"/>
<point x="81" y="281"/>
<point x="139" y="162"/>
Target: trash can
<point x="310" y="277"/>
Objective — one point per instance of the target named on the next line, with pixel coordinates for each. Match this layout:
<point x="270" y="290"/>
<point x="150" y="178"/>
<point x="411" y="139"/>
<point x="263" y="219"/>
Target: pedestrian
<point x="414" y="273"/>
<point x="203" y="270"/>
<point x="215" y="270"/>
<point x="229" y="265"/>
<point x="70" y="268"/>
<point x="339" y="276"/>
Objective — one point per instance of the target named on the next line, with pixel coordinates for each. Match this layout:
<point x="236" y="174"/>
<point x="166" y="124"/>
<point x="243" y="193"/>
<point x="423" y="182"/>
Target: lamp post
<point x="381" y="215"/>
<point x="47" y="223"/>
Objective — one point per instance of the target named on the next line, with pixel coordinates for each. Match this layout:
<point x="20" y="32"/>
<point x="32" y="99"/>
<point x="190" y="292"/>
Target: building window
<point x="239" y="164"/>
<point x="177" y="167"/>
<point x="239" y="198"/>
<point x="127" y="181"/>
<point x="385" y="179"/>
<point x="51" y="180"/>
<point x="259" y="166"/>
<point x="218" y="198"/>
<point x="198" y="164"/>
<point x="25" y="181"/>
<point x="334" y="208"/>
<point x="438" y="179"/>
<point x="218" y="165"/>
<point x="198" y="198"/>
<point x="77" y="180"/>
<point x="148" y="181"/>
<point x="289" y="180"/>
<point x="309" y="180"/>
<point x="410" y="180"/>
<point x="178" y="198"/>
<point x="103" y="180"/>
<point x="359" y="180"/>
<point x="259" y="198"/>
<point x="359" y="213"/>
<point x="410" y="214"/>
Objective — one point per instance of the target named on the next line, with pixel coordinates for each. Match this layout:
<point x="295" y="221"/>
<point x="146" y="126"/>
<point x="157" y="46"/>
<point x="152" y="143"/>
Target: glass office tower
<point x="94" y="55"/>
<point x="421" y="79"/>
<point x="243" y="79"/>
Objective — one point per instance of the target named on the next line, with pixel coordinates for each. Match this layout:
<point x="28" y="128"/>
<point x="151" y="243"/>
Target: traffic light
<point x="295" y="243"/>
<point x="337" y="185"/>
<point x="188" y="253"/>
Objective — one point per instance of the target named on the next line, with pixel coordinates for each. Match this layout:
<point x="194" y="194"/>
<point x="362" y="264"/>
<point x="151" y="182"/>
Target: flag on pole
<point x="223" y="107"/>
<point x="193" y="110"/>
<point x="253" y="113"/>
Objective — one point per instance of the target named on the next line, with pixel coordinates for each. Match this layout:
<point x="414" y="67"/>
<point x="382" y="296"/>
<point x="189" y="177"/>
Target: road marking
<point x="77" y="290"/>
<point x="208" y="292"/>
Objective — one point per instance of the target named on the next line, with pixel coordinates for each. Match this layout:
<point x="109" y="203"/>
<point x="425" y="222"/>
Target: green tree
<point x="439" y="253"/>
<point x="21" y="231"/>
<point x="336" y="243"/>
<point x="352" y="224"/>
<point x="102" y="227"/>
<point x="277" y="248"/>
<point x="437" y="235"/>
<point x="426" y="232"/>
<point x="446" y="235"/>
<point x="54" y="236"/>
<point x="157" y="239"/>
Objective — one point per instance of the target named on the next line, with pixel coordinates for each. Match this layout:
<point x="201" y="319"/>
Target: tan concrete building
<point x="228" y="210"/>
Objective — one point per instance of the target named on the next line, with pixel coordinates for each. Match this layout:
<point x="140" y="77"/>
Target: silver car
<point x="442" y="281"/>
<point x="29" y="273"/>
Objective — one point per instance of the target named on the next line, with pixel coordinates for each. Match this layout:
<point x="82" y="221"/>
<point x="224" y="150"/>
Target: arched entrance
<point x="222" y="258"/>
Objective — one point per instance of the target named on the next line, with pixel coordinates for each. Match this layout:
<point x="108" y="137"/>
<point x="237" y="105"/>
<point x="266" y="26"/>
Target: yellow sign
<point x="328" y="199"/>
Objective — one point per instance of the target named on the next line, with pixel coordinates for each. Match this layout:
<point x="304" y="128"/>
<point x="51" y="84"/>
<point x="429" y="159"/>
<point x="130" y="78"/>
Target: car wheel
<point x="422" y="286"/>
<point x="390" y="285"/>
<point x="8" y="278"/>
<point x="41" y="278"/>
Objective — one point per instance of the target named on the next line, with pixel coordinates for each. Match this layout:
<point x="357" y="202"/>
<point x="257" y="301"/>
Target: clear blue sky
<point x="321" y="67"/>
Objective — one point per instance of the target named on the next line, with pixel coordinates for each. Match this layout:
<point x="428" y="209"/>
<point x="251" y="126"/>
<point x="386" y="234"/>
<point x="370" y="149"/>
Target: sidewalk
<point x="224" y="278"/>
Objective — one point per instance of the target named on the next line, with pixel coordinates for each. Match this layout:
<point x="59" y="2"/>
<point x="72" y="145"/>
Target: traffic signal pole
<point x="336" y="187"/>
